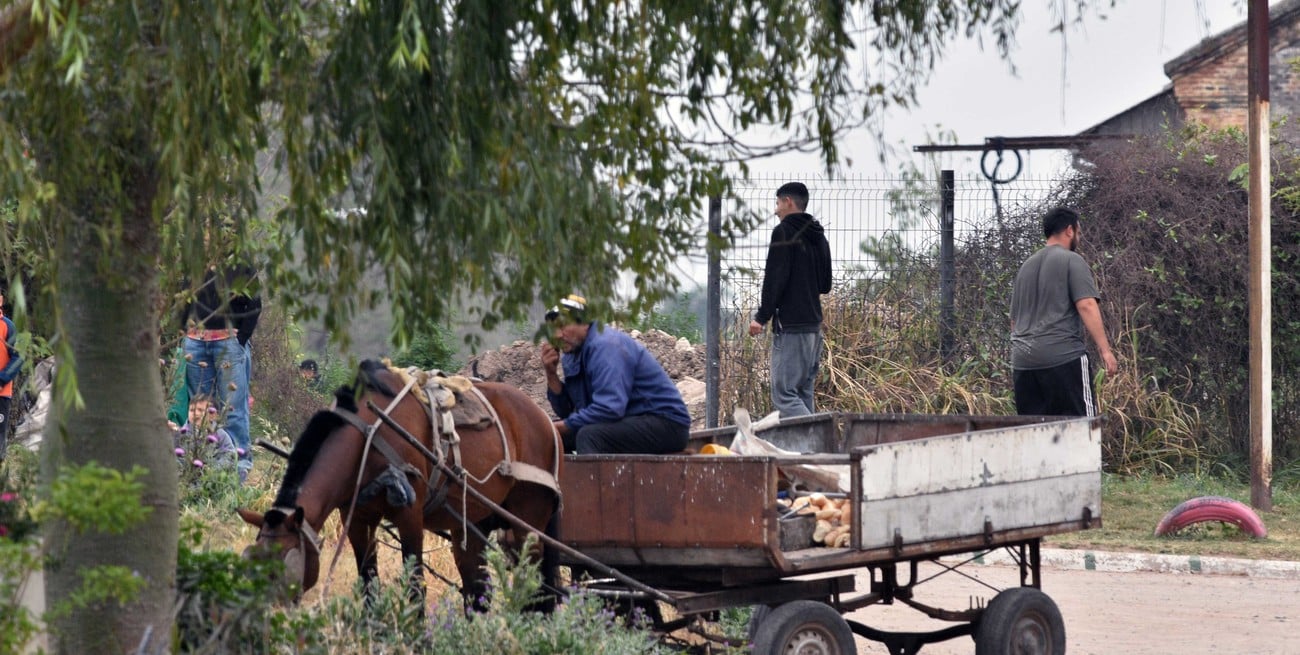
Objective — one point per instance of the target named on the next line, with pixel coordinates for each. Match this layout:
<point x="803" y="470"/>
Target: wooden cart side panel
<point x="967" y="484"/>
<point x="669" y="502"/>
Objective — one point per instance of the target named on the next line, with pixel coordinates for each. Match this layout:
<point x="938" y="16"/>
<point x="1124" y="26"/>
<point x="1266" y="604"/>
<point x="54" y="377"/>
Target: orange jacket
<point x="7" y="391"/>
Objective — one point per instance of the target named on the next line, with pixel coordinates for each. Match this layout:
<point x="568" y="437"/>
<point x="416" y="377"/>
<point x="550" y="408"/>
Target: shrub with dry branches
<point x="1167" y="227"/>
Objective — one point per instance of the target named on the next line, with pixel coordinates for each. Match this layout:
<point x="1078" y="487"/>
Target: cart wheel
<point x="757" y="614"/>
<point x="1020" y="621"/>
<point x="803" y="627"/>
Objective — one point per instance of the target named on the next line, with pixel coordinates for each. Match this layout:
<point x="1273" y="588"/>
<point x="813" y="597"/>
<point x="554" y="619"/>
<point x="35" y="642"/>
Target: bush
<point x="18" y="555"/>
<point x="283" y="401"/>
<point x="228" y="604"/>
<point x="431" y="348"/>
<point x="682" y="317"/>
<point x="1167" y="232"/>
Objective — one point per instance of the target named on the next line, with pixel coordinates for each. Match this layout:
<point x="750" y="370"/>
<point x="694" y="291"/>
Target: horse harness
<point x="449" y="402"/>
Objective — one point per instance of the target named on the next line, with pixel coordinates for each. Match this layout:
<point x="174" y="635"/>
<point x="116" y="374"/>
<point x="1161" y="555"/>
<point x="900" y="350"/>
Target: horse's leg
<point x="410" y="529"/>
<point x="469" y="563"/>
<point x="362" y="538"/>
<point x="537" y="506"/>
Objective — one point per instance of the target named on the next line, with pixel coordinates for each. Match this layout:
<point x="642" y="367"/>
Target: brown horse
<point x="512" y="456"/>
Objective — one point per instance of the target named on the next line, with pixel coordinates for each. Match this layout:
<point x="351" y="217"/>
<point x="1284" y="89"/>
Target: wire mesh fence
<point x="885" y="236"/>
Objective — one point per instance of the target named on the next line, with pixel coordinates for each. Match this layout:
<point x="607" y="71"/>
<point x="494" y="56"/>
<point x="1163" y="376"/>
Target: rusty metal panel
<point x="816" y="433"/>
<point x="689" y="504"/>
<point x="709" y="520"/>
<point x="582" y="486"/>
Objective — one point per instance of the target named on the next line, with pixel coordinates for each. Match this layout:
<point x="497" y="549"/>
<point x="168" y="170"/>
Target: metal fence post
<point x="947" y="264"/>
<point x="713" y="317"/>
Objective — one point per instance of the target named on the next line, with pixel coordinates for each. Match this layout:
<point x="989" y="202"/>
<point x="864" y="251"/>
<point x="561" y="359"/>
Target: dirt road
<point x="1128" y="613"/>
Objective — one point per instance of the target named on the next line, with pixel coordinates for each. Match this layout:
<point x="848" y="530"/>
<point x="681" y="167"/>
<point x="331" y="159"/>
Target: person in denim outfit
<point x="218" y="324"/>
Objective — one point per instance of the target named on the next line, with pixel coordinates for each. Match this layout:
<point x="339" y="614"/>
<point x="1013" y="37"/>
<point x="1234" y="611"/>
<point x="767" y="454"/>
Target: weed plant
<point x="229" y="605"/>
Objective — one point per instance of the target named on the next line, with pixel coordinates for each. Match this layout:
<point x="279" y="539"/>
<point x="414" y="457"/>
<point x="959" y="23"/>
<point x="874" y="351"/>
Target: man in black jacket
<point x="798" y="271"/>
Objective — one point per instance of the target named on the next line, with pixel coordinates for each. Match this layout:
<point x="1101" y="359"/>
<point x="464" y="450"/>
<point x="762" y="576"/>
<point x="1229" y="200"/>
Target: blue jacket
<point x="611" y="376"/>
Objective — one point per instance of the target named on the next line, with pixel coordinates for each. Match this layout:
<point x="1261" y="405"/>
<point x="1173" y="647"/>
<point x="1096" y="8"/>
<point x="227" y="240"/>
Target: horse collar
<point x="355" y="421"/>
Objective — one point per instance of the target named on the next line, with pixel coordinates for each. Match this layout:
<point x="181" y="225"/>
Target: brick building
<point x="1208" y="81"/>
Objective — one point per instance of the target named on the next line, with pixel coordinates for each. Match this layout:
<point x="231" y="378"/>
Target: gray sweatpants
<point x="795" y="360"/>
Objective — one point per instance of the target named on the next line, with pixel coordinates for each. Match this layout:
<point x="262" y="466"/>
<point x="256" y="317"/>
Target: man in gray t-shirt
<point x="1054" y="300"/>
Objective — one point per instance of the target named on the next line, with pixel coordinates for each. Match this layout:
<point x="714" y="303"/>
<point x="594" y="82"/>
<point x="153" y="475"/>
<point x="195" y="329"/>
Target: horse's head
<point x="283" y="531"/>
<point x="284" y="534"/>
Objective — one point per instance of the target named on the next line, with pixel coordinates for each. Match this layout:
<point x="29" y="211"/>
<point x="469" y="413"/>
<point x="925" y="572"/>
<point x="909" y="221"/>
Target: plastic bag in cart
<point x="813" y="477"/>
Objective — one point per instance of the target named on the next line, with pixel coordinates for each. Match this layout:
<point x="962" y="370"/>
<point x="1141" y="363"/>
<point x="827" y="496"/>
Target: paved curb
<point x="1090" y="560"/>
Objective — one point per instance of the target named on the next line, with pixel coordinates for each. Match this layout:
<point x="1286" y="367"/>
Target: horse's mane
<point x="304" y="453"/>
<point x="325" y="422"/>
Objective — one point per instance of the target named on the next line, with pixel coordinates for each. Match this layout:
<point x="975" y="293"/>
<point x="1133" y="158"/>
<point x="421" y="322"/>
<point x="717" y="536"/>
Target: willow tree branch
<point x="17" y="33"/>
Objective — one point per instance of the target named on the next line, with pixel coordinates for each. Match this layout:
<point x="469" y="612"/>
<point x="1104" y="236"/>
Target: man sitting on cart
<point x="614" y="397"/>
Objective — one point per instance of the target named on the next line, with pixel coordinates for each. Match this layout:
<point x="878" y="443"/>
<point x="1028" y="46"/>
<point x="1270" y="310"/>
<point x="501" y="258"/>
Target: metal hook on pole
<point x="995" y="145"/>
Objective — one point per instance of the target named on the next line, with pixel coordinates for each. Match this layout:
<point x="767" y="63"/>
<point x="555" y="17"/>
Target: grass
<point x="225" y="530"/>
<point x="1132" y="506"/>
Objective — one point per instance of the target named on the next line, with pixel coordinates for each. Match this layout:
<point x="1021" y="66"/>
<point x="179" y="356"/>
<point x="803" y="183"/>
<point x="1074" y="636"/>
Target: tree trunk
<point x="109" y="306"/>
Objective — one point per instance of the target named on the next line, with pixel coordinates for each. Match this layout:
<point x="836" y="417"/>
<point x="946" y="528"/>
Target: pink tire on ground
<point x="1212" y="508"/>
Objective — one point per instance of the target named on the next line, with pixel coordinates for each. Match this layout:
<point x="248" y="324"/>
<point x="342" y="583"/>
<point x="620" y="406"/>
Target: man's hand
<point x="551" y="360"/>
<point x="1109" y="362"/>
<point x="550" y="357"/>
<point x="1091" y="315"/>
<point x="755" y="328"/>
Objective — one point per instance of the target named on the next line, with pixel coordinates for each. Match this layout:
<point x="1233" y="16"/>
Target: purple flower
<point x="179" y="452"/>
<point x="185" y="429"/>
<point x="212" y="410"/>
<point x="198" y="463"/>
<point x="8" y="497"/>
<point x="239" y="451"/>
<point x="212" y="438"/>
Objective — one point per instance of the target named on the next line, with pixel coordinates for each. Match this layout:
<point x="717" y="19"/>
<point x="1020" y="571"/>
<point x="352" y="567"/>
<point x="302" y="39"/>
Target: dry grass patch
<point x="338" y="576"/>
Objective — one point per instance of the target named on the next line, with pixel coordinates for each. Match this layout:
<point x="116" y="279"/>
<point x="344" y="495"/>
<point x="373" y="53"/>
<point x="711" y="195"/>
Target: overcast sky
<point x="1111" y="64"/>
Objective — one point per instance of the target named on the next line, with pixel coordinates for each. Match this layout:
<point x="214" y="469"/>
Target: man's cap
<point x="573" y="305"/>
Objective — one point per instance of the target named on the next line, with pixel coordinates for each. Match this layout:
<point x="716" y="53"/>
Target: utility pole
<point x="1261" y="298"/>
<point x="713" y="319"/>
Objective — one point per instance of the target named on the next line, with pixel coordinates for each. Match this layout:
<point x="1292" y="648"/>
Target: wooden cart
<point x="703" y="533"/>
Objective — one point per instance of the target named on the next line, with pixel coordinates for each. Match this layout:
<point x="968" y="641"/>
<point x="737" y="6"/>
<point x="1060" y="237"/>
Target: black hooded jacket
<point x="798" y="271"/>
<point x="216" y="307"/>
